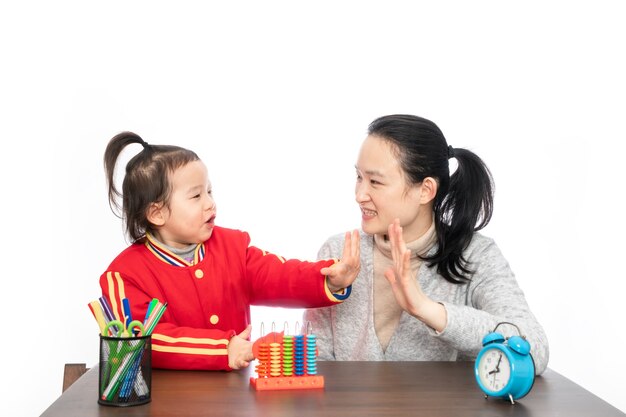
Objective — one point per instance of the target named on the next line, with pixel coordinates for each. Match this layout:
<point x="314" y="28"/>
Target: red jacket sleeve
<point x="279" y="282"/>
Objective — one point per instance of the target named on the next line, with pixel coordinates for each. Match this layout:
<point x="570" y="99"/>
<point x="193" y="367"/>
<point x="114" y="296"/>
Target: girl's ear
<point x="429" y="189"/>
<point x="156" y="214"/>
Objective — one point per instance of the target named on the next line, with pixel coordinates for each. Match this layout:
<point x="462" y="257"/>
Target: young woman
<point x="208" y="275"/>
<point x="430" y="286"/>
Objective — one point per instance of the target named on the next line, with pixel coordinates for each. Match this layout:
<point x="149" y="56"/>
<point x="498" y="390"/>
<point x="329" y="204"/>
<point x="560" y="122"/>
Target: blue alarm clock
<point x="504" y="367"/>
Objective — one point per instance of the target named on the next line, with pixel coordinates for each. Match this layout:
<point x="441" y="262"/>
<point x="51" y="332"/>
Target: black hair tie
<point x="145" y="144"/>
<point x="450" y="152"/>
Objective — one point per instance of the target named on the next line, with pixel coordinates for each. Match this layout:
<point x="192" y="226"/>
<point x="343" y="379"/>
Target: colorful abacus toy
<point x="286" y="362"/>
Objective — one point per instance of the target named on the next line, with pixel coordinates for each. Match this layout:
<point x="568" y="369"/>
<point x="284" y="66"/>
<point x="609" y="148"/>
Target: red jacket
<point x="209" y="302"/>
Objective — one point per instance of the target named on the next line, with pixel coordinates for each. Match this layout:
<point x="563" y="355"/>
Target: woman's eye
<point x="196" y="196"/>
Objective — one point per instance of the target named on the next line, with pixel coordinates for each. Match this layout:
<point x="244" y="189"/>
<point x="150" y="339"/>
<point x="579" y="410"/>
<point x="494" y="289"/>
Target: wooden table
<point x="351" y="389"/>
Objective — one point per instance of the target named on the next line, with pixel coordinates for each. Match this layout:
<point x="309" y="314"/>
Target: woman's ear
<point x="428" y="189"/>
<point x="156" y="214"/>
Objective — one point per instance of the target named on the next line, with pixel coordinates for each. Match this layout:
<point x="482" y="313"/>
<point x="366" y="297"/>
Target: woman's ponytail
<point x="465" y="208"/>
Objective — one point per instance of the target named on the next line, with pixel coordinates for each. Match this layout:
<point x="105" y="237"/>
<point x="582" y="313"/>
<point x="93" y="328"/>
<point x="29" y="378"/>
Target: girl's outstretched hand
<point x="240" y="350"/>
<point x="342" y="274"/>
<point x="406" y="289"/>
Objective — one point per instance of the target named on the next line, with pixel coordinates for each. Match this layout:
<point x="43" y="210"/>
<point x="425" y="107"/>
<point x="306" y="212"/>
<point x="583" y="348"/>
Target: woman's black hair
<point x="464" y="201"/>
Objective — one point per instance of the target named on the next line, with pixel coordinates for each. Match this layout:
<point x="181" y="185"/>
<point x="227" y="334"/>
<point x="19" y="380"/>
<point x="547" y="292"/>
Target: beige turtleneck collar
<point x="387" y="312"/>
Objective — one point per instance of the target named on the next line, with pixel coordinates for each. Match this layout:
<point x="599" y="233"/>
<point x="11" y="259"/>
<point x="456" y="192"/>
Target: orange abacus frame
<point x="287" y="382"/>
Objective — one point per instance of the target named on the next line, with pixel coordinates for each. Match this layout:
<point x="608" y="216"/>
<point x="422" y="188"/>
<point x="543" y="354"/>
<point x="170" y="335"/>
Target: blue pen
<point x="130" y="378"/>
<point x="126" y="306"/>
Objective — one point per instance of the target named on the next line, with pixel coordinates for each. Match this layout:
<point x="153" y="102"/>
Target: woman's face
<point x="383" y="193"/>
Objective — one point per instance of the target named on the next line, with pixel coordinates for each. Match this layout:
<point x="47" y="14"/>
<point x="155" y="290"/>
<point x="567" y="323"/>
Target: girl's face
<point x="383" y="194"/>
<point x="190" y="216"/>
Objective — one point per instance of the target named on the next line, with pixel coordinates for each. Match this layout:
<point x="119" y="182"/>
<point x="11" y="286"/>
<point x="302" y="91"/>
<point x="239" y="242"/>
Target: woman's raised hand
<point x="405" y="286"/>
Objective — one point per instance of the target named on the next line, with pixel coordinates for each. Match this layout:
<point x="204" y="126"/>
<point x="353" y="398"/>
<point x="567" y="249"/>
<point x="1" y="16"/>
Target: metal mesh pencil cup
<point x="125" y="373"/>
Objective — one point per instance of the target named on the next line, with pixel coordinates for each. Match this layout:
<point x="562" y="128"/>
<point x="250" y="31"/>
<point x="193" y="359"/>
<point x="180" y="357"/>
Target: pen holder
<point x="125" y="371"/>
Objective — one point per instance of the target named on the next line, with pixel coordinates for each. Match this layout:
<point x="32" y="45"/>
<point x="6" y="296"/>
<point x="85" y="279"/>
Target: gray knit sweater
<point x="346" y="331"/>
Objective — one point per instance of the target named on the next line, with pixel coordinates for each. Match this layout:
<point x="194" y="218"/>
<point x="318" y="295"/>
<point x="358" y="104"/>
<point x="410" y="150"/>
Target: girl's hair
<point x="146" y="181"/>
<point x="464" y="201"/>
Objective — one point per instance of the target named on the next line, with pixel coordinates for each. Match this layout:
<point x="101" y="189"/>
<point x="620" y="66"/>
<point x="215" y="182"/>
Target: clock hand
<point x="497" y="368"/>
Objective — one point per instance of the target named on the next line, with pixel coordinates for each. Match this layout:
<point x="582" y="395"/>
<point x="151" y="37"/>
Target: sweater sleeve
<point x="321" y="319"/>
<point x="173" y="346"/>
<point x="493" y="296"/>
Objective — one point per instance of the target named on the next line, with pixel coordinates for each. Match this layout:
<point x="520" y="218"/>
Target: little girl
<point x="208" y="275"/>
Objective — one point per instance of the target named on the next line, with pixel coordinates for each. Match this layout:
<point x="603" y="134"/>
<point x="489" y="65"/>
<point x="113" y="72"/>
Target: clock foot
<point x="511" y="398"/>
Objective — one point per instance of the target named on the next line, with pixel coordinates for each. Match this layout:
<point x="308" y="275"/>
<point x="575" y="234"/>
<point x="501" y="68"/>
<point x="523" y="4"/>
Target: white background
<point x="276" y="98"/>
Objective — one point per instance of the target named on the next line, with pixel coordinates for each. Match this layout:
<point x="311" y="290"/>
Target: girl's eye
<point x="209" y="192"/>
<point x="374" y="182"/>
<point x="196" y="196"/>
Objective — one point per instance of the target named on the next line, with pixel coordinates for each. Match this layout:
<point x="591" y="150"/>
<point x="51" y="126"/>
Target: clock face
<point x="494" y="370"/>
